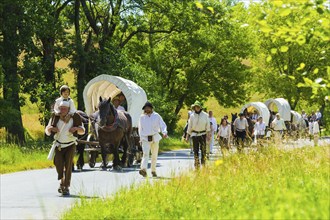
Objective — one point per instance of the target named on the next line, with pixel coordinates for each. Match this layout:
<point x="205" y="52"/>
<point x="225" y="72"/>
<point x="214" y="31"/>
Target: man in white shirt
<point x="318" y="115"/>
<point x="279" y="127"/>
<point x="65" y="130"/>
<point x="278" y="124"/>
<point x="241" y="127"/>
<point x="316" y="132"/>
<point x="150" y="124"/>
<point x="214" y="127"/>
<point x="199" y="130"/>
<point x="260" y="128"/>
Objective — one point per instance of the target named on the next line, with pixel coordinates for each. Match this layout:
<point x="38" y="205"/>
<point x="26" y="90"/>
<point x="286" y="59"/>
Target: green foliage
<point x="8" y="115"/>
<point x="14" y="158"/>
<point x="294" y="49"/>
<point x="271" y="184"/>
<point x="178" y="51"/>
<point x="202" y="56"/>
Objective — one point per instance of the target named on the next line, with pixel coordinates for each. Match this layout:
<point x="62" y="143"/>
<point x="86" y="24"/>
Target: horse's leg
<point x="104" y="156"/>
<point x="80" y="162"/>
<point x="116" y="160"/>
<point x="124" y="156"/>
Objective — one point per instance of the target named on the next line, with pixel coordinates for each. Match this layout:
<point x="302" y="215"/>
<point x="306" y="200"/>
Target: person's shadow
<point x="79" y="196"/>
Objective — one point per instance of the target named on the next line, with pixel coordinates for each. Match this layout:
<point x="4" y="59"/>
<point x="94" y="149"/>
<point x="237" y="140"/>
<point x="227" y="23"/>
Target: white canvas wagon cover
<point x="282" y="105"/>
<point x="261" y="108"/>
<point x="296" y="118"/>
<point x="110" y="86"/>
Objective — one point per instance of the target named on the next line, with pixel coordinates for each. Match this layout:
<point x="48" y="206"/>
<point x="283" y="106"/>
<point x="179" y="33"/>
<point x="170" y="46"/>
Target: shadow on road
<point x="79" y="197"/>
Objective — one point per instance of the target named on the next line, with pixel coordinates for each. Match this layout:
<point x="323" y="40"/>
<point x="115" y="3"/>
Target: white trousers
<point x="146" y="147"/>
<point x="212" y="142"/>
<point x="316" y="140"/>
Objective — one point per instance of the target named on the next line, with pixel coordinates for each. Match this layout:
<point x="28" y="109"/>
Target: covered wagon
<point x="108" y="86"/>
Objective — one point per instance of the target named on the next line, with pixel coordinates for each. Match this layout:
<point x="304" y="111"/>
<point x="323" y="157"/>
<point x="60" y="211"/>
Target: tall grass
<point x="14" y="158"/>
<point x="272" y="184"/>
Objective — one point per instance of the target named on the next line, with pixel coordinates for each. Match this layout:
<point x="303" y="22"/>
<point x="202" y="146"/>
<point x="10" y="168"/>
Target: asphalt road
<point x="33" y="194"/>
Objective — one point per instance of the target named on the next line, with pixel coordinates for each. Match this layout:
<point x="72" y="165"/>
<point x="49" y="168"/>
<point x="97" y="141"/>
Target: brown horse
<point x="115" y="128"/>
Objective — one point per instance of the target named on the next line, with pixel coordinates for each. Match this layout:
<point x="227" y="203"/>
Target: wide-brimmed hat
<point x="147" y="104"/>
<point x="115" y="98"/>
<point x="64" y="104"/>
<point x="197" y="103"/>
<point x="278" y="114"/>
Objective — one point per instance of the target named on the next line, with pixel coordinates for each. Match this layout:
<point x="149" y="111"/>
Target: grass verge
<point x="271" y="184"/>
<point x="14" y="158"/>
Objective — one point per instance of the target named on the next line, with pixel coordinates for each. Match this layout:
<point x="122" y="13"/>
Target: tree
<point x="11" y="12"/>
<point x="294" y="42"/>
<point x="202" y="57"/>
<point x="45" y="43"/>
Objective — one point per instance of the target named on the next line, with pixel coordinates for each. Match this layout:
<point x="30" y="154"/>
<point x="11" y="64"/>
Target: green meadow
<point x="269" y="184"/>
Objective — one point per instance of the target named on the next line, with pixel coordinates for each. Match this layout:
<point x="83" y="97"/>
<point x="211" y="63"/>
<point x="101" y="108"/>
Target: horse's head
<point x="104" y="110"/>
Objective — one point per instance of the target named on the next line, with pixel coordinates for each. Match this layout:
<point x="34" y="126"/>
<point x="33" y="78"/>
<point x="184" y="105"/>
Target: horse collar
<point x="113" y="123"/>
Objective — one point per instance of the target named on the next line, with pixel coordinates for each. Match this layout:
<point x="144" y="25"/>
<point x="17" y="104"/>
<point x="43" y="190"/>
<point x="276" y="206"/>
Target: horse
<point x="115" y="127"/>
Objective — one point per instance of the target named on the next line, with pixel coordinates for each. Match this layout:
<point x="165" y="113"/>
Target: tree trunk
<point x="82" y="52"/>
<point x="11" y="16"/>
<point x="48" y="63"/>
<point x="173" y="122"/>
<point x="81" y="62"/>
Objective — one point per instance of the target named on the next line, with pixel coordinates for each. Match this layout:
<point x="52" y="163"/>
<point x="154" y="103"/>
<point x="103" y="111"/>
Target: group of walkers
<point x="201" y="128"/>
<point x="65" y="125"/>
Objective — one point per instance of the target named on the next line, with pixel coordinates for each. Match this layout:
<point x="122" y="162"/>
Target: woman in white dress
<point x="224" y="135"/>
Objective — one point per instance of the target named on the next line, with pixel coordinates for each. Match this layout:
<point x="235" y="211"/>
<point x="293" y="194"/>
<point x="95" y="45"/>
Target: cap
<point x="64" y="104"/>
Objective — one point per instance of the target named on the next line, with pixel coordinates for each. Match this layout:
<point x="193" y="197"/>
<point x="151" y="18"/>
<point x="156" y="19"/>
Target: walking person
<point x="214" y="127"/>
<point x="310" y="128"/>
<point x="224" y="136"/>
<point x="241" y="129"/>
<point x="199" y="130"/>
<point x="279" y="127"/>
<point x="316" y="132"/>
<point x="259" y="129"/>
<point x="65" y="130"/>
<point x="150" y="124"/>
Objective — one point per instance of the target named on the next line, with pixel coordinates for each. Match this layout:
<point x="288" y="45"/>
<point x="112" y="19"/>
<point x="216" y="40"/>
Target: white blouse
<point x="224" y="131"/>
